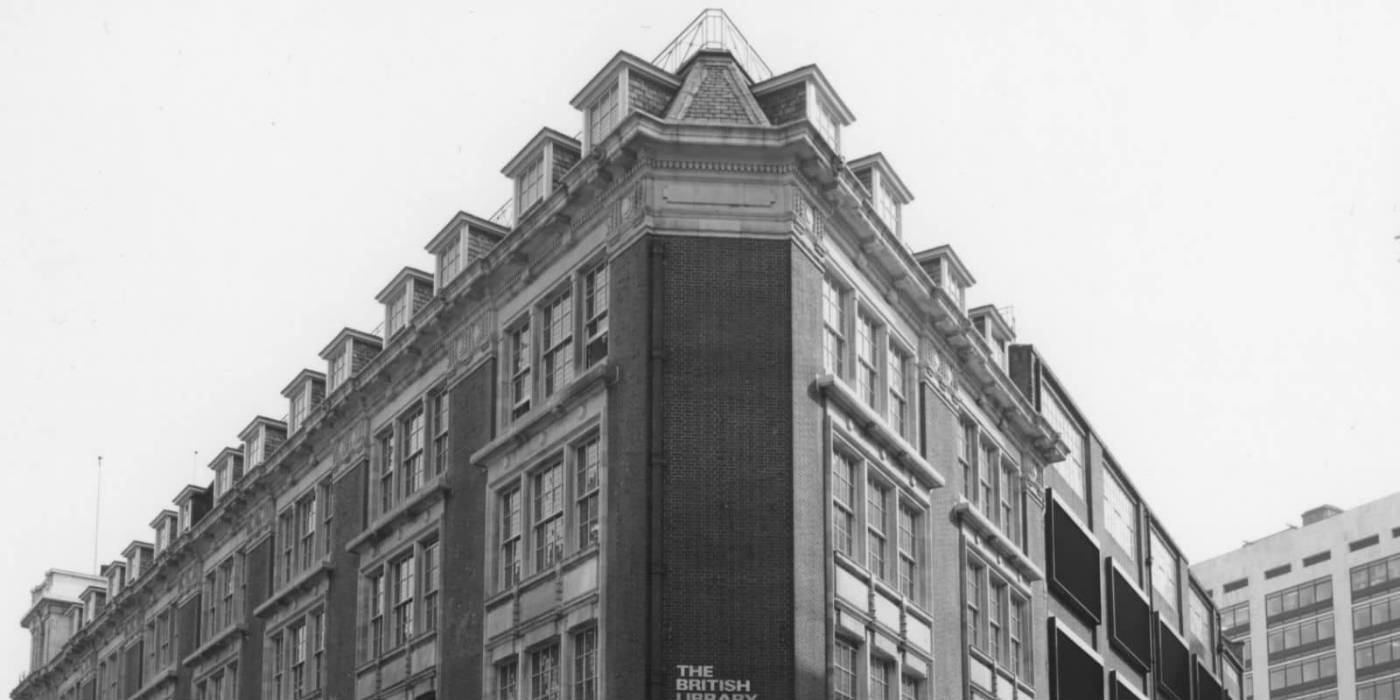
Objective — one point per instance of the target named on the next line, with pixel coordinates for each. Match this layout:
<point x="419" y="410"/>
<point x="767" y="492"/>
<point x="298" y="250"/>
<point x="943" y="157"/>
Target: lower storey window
<point x="545" y="672"/>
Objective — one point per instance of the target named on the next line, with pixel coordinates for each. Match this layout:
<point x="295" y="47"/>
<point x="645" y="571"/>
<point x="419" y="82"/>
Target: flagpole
<point x="97" y="517"/>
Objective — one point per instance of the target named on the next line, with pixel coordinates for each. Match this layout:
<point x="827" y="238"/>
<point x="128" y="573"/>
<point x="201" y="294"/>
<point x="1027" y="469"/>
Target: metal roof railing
<point x="712" y="30"/>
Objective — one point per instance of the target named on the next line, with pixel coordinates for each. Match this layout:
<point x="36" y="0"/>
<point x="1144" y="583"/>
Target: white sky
<point x="1191" y="205"/>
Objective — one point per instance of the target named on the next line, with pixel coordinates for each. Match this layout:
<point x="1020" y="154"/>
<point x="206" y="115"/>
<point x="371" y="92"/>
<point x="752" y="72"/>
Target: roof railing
<point x="712" y="30"/>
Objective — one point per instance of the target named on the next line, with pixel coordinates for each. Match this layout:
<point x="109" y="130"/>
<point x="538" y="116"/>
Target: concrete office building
<point x="689" y="421"/>
<point x="1316" y="608"/>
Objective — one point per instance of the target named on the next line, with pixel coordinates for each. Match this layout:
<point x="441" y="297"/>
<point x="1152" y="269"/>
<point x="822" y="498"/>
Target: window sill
<point x="414" y="504"/>
<point x="306" y="580"/>
<point x="213" y="644"/>
<point x="874" y="424"/>
<point x="968" y="513"/>
<point x="520" y="429"/>
<point x="161" y="679"/>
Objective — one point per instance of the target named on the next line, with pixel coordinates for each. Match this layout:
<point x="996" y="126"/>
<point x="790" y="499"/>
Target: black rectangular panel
<point x="1173" y="663"/>
<point x="1129" y="619"/>
<point x="1207" y="688"/>
<point x="1073" y="564"/>
<point x="1074" y="674"/>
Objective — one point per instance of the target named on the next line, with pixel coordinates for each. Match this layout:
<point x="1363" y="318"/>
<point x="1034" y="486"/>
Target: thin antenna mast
<point x="97" y="516"/>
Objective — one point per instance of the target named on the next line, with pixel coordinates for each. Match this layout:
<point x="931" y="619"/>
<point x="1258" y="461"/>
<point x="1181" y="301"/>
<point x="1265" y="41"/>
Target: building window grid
<point x="1375" y="574"/>
<point x="557" y="342"/>
<point x="908" y="550"/>
<point x="910" y="688"/>
<point x="401" y="590"/>
<point x="297" y="667"/>
<point x="1300" y="634"/>
<point x="441" y="416"/>
<point x="432" y="582"/>
<point x="602" y="115"/>
<point x="595" y="315"/>
<point x="507" y="680"/>
<point x="867" y="374"/>
<point x="881" y="673"/>
<point x="996" y="621"/>
<point x="1303" y="595"/>
<point x="1164" y="570"/>
<point x="1375" y="613"/>
<point x="1380" y="652"/>
<point x="844" y="671"/>
<point x="386" y="471"/>
<point x="547" y="510"/>
<point x="1300" y="672"/>
<point x="518" y="347"/>
<point x="975" y="572"/>
<point x="1120" y="515"/>
<point x="1384" y="689"/>
<point x="833" y="327"/>
<point x="278" y="649"/>
<point x="510" y="537"/>
<point x="586" y="484"/>
<point x="544" y="673"/>
<point x="987" y="473"/>
<point x="967" y="454"/>
<point x="586" y="664"/>
<point x="877" y="508"/>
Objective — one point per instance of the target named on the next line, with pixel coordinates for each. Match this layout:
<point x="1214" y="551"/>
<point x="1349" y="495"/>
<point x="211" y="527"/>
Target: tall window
<point x="318" y="648"/>
<point x="843" y="489"/>
<point x="386" y="472"/>
<point x="529" y="186"/>
<point x="228" y="586"/>
<point x="1020" y="630"/>
<point x="910" y="688"/>
<point x="507" y="680"/>
<point x="298" y="409"/>
<point x="510" y="538"/>
<point x="881" y="673"/>
<point x="547" y="489"/>
<point x="413" y="453"/>
<point x="843" y="672"/>
<point x="440" y="425"/>
<point x="987" y="474"/>
<point x="1198" y="619"/>
<point x="518" y="347"/>
<point x="397" y="308"/>
<point x="340" y="371"/>
<point x="899" y="405"/>
<point x="1071" y="469"/>
<point x="374" y="646"/>
<point x="908" y="550"/>
<point x="867" y="377"/>
<point x="450" y="262"/>
<point x="1120" y="514"/>
<point x="431" y="582"/>
<point x="876" y="515"/>
<point x="279" y="659"/>
<point x="833" y="328"/>
<point x="602" y="116"/>
<point x="298" y="665"/>
<point x="327" y="515"/>
<point x="586" y="664"/>
<point x="996" y="620"/>
<point x="544" y="673"/>
<point x="586" y="492"/>
<point x="401" y="598"/>
<point x="595" y="315"/>
<point x="306" y="530"/>
<point x="820" y="117"/>
<point x="974" y="574"/>
<point x="557" y="341"/>
<point x="1164" y="573"/>
<point x="1010" y="523"/>
<point x="967" y="454"/>
<point x="886" y="208"/>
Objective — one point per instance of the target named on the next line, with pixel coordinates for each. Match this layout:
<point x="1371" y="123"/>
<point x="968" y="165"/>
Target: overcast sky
<point x="1190" y="205"/>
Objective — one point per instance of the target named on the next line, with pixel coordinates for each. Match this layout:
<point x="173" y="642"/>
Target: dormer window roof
<point x="137" y="554"/>
<point x="947" y="271"/>
<point x="887" y="192"/>
<point x="260" y="439"/>
<point x="626" y="84"/>
<point x="409" y="291"/>
<point x="228" y="469"/>
<point x="464" y="240"/>
<point x="304" y="393"/>
<point x="804" y="93"/>
<point x="538" y="167"/>
<point x="994" y="328"/>
<point x="192" y="503"/>
<point x="164" y="526"/>
<point x="347" y="354"/>
<point x="93" y="597"/>
<point x="115" y="573"/>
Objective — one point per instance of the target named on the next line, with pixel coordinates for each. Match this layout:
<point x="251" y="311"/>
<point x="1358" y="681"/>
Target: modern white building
<point x="1316" y="608"/>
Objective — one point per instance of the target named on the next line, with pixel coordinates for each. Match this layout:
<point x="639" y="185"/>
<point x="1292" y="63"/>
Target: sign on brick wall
<point x="700" y="682"/>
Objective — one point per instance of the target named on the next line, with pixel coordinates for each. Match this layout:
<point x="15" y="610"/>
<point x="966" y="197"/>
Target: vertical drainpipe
<point x="656" y="471"/>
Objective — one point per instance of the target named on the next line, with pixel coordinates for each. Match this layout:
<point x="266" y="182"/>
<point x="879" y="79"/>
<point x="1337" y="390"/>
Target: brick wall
<point x="422" y="294"/>
<point x="464" y="536"/>
<point x="564" y="158"/>
<point x="187" y="629"/>
<point x="347" y="521"/>
<point x="940" y="448"/>
<point x="626" y="599"/>
<point x="727" y="540"/>
<point x="258" y="573"/>
<point x="479" y="243"/>
<point x="649" y="96"/>
<point x="363" y="353"/>
<point x="785" y="105"/>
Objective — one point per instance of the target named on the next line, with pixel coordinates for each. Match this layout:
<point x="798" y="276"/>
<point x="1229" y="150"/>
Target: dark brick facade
<point x="648" y="95"/>
<point x="785" y="104"/>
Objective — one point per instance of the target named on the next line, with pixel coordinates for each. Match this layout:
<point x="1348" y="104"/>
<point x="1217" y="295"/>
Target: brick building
<point x="690" y="420"/>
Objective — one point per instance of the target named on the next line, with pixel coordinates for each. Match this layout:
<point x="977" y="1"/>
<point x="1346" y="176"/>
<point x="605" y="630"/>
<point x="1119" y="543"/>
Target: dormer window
<point x="395" y="322"/>
<point x="464" y="240"/>
<point x="886" y="208"/>
<point x="162" y="538"/>
<point x="450" y="261"/>
<point x="804" y="93"/>
<point x="186" y="517"/>
<point x="820" y="115"/>
<point x="602" y="116"/>
<point x="253" y="450"/>
<point x="223" y="481"/>
<point x="947" y="272"/>
<point x="340" y="371"/>
<point x="529" y="187"/>
<point x="298" y="413"/>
